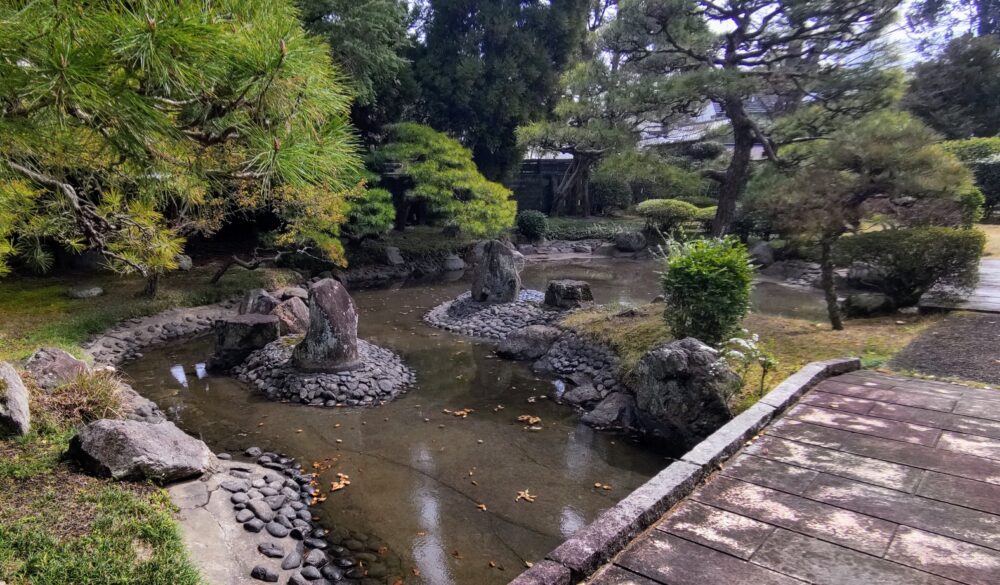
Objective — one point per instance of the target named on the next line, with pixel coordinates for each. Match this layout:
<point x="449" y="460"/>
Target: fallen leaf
<point x="531" y="420"/>
<point x="456" y="554"/>
<point x="525" y="495"/>
<point x="481" y="507"/>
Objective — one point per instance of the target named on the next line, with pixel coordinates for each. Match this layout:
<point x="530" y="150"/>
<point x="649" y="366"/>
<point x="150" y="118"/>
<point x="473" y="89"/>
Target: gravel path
<point x="965" y="345"/>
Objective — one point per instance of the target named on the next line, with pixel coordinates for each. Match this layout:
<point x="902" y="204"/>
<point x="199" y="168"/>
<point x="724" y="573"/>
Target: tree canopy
<point x="785" y="53"/>
<point x="486" y="68"/>
<point x="886" y="168"/>
<point x="956" y="92"/>
<point x="126" y="129"/>
<point x="434" y="171"/>
<point x="368" y="40"/>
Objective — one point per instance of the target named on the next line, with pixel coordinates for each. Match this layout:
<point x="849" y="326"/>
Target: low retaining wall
<point x="593" y="545"/>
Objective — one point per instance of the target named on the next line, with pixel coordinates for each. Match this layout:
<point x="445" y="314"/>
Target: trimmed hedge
<point x="532" y="224"/>
<point x="910" y="262"/>
<point x="666" y="214"/>
<point x="706" y="288"/>
<point x="982" y="156"/>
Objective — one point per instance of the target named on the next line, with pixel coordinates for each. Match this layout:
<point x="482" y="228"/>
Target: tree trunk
<point x="585" y="186"/>
<point x="402" y="214"/>
<point x="152" y="286"/>
<point x="738" y="172"/>
<point x="988" y="15"/>
<point x="829" y="292"/>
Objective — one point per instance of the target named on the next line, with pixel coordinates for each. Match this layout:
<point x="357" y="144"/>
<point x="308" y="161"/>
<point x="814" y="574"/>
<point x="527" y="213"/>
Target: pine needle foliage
<point x="129" y="126"/>
<point x="442" y="175"/>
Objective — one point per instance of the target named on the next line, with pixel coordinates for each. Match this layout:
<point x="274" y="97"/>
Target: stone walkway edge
<point x="593" y="545"/>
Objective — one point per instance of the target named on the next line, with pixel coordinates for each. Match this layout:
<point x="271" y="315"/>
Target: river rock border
<point x="593" y="545"/>
<point x="491" y="320"/>
<point x="591" y="367"/>
<point x="269" y="530"/>
<point x="127" y="339"/>
<point x="381" y="376"/>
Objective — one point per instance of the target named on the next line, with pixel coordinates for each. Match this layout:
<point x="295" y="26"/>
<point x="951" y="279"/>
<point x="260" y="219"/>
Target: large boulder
<point x="393" y="257"/>
<point x="496" y="278"/>
<point x="52" y="367"/>
<point x="258" y="301"/>
<point x="529" y="343"/>
<point x="133" y="450"/>
<point x="630" y="241"/>
<point x="568" y="294"/>
<point x="681" y="391"/>
<point x="293" y="316"/>
<point x="868" y="304"/>
<point x="238" y="336"/>
<point x="15" y="417"/>
<point x="616" y="411"/>
<point x="184" y="262"/>
<point x="762" y="253"/>
<point x="331" y="344"/>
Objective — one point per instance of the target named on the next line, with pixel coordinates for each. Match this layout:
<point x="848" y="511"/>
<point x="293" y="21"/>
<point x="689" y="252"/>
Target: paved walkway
<point x="985" y="298"/>
<point x="869" y="479"/>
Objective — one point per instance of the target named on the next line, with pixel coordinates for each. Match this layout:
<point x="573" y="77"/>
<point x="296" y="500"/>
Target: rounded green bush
<point x="532" y="224"/>
<point x="909" y="262"/>
<point x="610" y="192"/>
<point x="666" y="214"/>
<point x="706" y="289"/>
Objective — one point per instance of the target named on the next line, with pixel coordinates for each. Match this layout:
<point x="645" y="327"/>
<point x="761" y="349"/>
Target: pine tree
<point x="130" y="127"/>
<point x="487" y="68"/>
<point x="815" y="58"/>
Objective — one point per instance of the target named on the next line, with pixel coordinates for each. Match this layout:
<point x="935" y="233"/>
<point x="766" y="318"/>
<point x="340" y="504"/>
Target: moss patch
<point x="61" y="526"/>
<point x="794" y="342"/>
<point x="36" y="312"/>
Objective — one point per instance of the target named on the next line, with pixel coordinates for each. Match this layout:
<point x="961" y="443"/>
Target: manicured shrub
<point x="982" y="156"/>
<point x="706" y="288"/>
<point x="705" y="150"/>
<point x="666" y="214"/>
<point x="698" y="200"/>
<point x="532" y="224"/>
<point x="909" y="262"/>
<point x="370" y="214"/>
<point x="610" y="192"/>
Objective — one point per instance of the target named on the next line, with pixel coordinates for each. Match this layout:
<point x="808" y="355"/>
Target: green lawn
<point x="794" y="342"/>
<point x="36" y="312"/>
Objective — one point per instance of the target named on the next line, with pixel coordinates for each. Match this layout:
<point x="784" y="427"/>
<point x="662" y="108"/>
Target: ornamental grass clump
<point x="706" y="288"/>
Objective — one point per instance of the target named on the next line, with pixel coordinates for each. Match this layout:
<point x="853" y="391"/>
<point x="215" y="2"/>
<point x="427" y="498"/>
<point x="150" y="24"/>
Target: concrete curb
<point x="593" y="545"/>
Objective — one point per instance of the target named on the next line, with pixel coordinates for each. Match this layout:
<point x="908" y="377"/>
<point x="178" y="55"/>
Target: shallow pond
<point x="419" y="475"/>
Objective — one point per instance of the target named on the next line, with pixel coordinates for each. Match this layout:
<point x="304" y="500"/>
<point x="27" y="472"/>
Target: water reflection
<point x="409" y="461"/>
<point x="177" y="371"/>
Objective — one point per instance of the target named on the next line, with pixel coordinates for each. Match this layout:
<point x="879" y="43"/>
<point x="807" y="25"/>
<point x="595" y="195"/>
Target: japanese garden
<point x="476" y="292"/>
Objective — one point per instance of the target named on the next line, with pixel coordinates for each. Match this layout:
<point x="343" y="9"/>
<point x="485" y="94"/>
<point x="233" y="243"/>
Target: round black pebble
<point x="262" y="573"/>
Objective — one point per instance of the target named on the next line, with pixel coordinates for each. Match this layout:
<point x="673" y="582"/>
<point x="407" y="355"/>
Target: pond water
<point x="418" y="474"/>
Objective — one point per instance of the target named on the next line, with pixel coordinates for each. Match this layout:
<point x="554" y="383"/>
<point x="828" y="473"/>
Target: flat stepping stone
<point x="269" y="549"/>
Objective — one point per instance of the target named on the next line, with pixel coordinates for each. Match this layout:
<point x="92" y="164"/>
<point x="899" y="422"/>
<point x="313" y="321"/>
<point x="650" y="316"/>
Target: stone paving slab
<point x="870" y="479"/>
<point x="985" y="297"/>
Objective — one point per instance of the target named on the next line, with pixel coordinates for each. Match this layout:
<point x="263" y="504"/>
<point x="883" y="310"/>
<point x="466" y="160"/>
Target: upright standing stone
<point x="331" y="344"/>
<point x="15" y="418"/>
<point x="496" y="279"/>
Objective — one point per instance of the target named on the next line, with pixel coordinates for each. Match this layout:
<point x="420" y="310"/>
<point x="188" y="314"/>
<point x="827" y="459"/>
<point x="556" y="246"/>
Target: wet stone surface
<point x="380" y="377"/>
